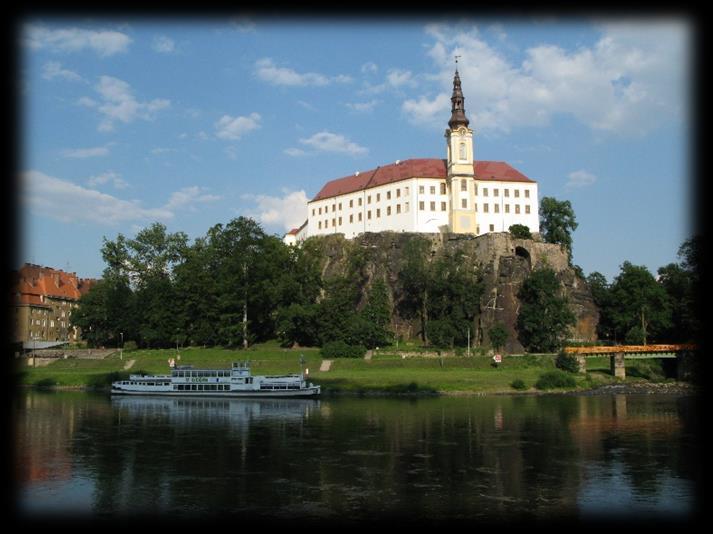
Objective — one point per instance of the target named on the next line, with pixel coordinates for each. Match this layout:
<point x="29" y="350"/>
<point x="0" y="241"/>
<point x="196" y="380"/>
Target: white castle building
<point x="457" y="195"/>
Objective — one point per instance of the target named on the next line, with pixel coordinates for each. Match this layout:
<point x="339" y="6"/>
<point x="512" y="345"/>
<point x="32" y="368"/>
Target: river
<point x="346" y="459"/>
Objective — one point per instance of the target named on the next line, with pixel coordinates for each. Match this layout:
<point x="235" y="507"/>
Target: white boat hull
<point x="301" y="393"/>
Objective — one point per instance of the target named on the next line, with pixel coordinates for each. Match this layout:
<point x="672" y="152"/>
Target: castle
<point x="453" y="195"/>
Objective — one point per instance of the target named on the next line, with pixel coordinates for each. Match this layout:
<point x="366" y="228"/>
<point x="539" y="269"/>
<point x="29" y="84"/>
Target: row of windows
<point x="201" y="387"/>
<point x="422" y="190"/>
<point x="189" y="374"/>
<point x="337" y="221"/>
<point x="338" y="206"/>
<point x="496" y="208"/>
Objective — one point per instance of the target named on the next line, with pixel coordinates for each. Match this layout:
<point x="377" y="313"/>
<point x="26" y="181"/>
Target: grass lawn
<point x="385" y="372"/>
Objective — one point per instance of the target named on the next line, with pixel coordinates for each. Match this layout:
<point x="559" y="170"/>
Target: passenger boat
<point x="185" y="381"/>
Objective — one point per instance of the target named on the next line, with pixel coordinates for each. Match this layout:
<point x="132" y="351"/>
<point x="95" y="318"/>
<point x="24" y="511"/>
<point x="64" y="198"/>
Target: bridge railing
<point x="615" y="349"/>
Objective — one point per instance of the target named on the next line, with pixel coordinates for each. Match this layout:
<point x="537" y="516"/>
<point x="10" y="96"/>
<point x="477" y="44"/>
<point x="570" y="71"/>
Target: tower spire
<point x="458" y="117"/>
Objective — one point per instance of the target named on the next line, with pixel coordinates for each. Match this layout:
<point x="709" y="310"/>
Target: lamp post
<point x="121" y="349"/>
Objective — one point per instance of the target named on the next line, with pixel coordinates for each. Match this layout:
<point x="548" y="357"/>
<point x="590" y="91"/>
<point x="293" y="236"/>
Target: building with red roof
<point x="458" y="194"/>
<point x="42" y="300"/>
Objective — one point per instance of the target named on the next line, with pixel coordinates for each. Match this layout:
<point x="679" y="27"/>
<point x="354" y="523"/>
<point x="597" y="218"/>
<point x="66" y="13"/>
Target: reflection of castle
<point x="215" y="410"/>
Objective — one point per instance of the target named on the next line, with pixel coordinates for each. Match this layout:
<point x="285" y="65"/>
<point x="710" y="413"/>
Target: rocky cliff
<point x="504" y="262"/>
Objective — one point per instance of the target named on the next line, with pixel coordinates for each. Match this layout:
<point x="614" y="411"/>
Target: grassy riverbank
<point x="385" y="372"/>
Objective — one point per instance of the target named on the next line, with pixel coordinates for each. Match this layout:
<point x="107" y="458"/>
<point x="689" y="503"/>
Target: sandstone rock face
<point x="505" y="263"/>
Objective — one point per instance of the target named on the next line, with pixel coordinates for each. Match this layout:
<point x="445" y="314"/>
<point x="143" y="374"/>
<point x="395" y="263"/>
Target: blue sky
<point x="191" y="123"/>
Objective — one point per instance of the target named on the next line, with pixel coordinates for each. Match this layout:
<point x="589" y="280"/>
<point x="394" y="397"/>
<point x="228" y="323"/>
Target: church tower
<point x="460" y="173"/>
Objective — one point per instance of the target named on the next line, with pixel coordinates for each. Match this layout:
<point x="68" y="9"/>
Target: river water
<point x="497" y="458"/>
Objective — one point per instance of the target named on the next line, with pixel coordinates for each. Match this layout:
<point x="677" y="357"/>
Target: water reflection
<point x="495" y="458"/>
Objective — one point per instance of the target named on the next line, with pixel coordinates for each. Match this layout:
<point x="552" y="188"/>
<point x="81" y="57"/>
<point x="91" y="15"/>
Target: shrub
<point x="518" y="384"/>
<point x="340" y="349"/>
<point x="130" y="345"/>
<point x="567" y="362"/>
<point x="555" y="379"/>
<point x="520" y="231"/>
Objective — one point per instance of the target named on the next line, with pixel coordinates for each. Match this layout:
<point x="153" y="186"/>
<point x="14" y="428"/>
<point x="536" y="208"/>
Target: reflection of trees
<point x="493" y="457"/>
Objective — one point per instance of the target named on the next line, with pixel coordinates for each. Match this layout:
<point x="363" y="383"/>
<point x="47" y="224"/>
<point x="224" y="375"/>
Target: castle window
<point x="312" y="212"/>
<point x="485" y="191"/>
<point x="351" y="203"/>
<point x="492" y="227"/>
<point x="433" y="206"/>
<point x="527" y="193"/>
<point x="388" y="195"/>
<point x="443" y="206"/>
<point x="507" y="207"/>
<point x="464" y="203"/>
<point x="421" y="189"/>
<point x="421" y="205"/>
<point x="443" y="188"/>
<point x="351" y="218"/>
<point x="527" y="208"/>
<point x="485" y="208"/>
<point x="463" y="185"/>
<point x="334" y="223"/>
<point x="398" y="193"/>
<point x="368" y="214"/>
<point x="507" y="192"/>
<point x="495" y="192"/>
<point x="388" y="210"/>
<point x="359" y="199"/>
<point x="359" y="216"/>
<point x="368" y="199"/>
<point x="496" y="208"/>
<point x="340" y="221"/>
<point x="320" y="210"/>
<point x="405" y="207"/>
<point x="334" y="208"/>
<point x="432" y="189"/>
<point x="319" y="225"/>
<point x="378" y="197"/>
<point x="406" y="192"/>
<point x="340" y="206"/>
<point x="461" y="153"/>
<point x="398" y="208"/>
<point x="378" y="213"/>
<point x="517" y="208"/>
<point x="517" y="193"/>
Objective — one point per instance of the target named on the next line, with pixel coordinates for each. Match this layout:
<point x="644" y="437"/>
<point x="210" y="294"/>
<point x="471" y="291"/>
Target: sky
<point x="192" y="122"/>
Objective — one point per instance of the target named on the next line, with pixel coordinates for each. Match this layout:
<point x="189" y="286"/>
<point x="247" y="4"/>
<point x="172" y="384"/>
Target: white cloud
<point x="580" y="178"/>
<point x="629" y="82"/>
<point x="331" y="142"/>
<point x="119" y="104"/>
<point x="425" y="110"/>
<point x="53" y="69"/>
<point x="103" y="42"/>
<point x="188" y="197"/>
<point x="62" y="200"/>
<point x="83" y="153"/>
<point x="107" y="177"/>
<point x="286" y="212"/>
<point x="234" y="128"/>
<point x="294" y="152"/>
<point x="369" y="68"/>
<point x="362" y="106"/>
<point x="267" y="71"/>
<point x="397" y="78"/>
<point x="163" y="45"/>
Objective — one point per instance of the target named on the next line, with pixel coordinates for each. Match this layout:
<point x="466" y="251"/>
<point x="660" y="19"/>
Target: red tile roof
<point x="416" y="168"/>
<point x="31" y="281"/>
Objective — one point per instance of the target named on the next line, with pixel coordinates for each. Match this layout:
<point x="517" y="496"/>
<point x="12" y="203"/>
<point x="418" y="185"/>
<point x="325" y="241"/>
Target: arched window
<point x="461" y="151"/>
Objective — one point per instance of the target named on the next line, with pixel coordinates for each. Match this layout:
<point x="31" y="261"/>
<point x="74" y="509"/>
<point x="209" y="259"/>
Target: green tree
<point x="601" y="296"/>
<point x="557" y="222"/>
<point x="637" y="300"/>
<point x="415" y="278"/>
<point x="520" y="231"/>
<point x="498" y="335"/>
<point x="544" y="319"/>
